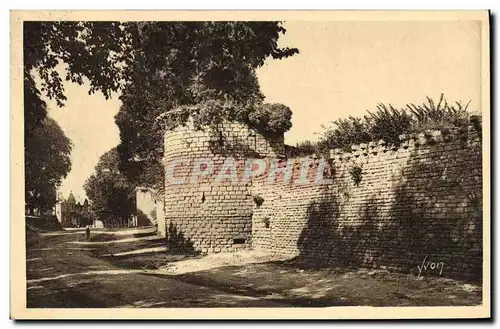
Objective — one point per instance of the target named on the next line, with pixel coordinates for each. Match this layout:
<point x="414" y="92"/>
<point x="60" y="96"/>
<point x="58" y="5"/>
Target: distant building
<point x="149" y="208"/>
<point x="146" y="206"/>
<point x="71" y="213"/>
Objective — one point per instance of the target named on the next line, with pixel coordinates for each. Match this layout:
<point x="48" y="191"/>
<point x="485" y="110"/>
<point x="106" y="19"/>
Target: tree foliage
<point x="157" y="67"/>
<point x="205" y="70"/>
<point x="97" y="51"/>
<point x="109" y="191"/>
<point x="186" y="61"/>
<point x="47" y="153"/>
<point x="92" y="50"/>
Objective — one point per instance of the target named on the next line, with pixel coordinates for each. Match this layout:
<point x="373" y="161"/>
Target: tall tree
<point x="157" y="66"/>
<point x="47" y="161"/>
<point x="195" y="65"/>
<point x="92" y="50"/>
<point x="109" y="191"/>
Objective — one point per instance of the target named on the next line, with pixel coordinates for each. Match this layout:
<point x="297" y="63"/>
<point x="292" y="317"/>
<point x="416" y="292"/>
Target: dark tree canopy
<point x="157" y="67"/>
<point x="92" y="50"/>
<point x="47" y="154"/>
<point x="109" y="191"/>
<point x="174" y="55"/>
<point x="204" y="69"/>
<point x="88" y="49"/>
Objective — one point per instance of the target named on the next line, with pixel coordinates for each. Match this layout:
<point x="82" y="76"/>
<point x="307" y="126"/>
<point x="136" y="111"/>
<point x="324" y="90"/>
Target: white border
<point x="214" y="4"/>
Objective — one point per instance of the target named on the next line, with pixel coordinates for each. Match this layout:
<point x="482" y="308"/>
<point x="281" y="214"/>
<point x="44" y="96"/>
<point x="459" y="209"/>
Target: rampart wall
<point x="384" y="207"/>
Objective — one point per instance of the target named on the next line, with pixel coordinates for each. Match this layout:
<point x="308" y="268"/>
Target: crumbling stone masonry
<point x="385" y="207"/>
<point x="202" y="216"/>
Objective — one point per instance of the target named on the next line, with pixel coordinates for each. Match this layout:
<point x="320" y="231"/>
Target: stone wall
<point x="385" y="207"/>
<point x="202" y="216"/>
<point x="419" y="203"/>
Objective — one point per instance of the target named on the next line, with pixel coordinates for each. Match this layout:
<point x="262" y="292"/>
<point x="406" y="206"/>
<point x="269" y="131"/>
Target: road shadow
<point x="178" y="243"/>
<point x="65" y="298"/>
<point x="269" y="295"/>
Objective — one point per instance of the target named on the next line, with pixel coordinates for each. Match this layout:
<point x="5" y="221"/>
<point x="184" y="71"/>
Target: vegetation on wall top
<point x="388" y="123"/>
<point x="271" y="120"/>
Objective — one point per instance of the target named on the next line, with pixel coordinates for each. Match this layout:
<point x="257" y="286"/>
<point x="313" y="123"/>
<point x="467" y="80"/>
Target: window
<point x="239" y="240"/>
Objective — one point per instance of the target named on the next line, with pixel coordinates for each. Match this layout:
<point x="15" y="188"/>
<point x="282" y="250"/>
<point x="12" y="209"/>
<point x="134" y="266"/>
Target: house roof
<point x="71" y="198"/>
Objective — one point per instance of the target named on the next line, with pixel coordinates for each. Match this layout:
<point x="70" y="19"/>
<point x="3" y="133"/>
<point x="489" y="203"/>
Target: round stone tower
<point x="208" y="206"/>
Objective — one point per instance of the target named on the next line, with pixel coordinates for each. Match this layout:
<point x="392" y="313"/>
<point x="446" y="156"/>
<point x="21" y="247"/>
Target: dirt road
<point x="63" y="272"/>
<point x="131" y="268"/>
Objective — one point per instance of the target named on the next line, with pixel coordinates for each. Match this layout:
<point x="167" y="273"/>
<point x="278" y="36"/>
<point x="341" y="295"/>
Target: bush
<point x="258" y="200"/>
<point x="356" y="173"/>
<point x="388" y="123"/>
<point x="304" y="148"/>
<point x="268" y="119"/>
<point x="42" y="223"/>
<point x="271" y="119"/>
<point x="443" y="115"/>
<point x="344" y="133"/>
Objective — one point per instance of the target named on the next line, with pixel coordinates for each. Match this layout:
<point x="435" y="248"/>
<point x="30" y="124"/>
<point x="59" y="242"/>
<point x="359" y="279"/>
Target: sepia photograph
<point x="250" y="164"/>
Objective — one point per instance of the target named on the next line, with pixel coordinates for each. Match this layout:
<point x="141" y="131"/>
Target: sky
<point x="343" y="68"/>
